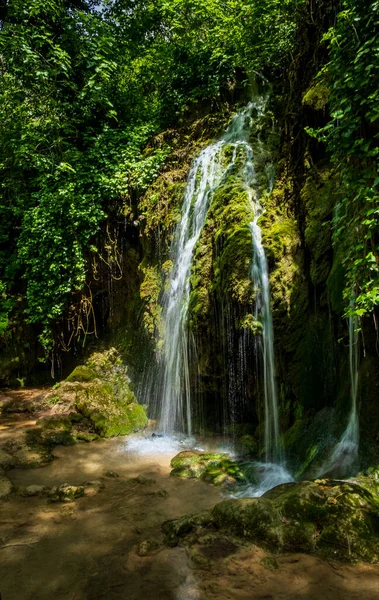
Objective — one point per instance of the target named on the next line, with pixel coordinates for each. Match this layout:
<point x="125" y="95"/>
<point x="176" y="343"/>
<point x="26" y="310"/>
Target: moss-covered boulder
<point x="95" y="400"/>
<point x="108" y="414"/>
<point x="333" y="519"/>
<point x="218" y="469"/>
<point x="82" y="373"/>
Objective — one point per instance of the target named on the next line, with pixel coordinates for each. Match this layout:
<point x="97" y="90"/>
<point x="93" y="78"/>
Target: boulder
<point x="218" y="469"/>
<point x="98" y="400"/>
<point x="334" y="519"/>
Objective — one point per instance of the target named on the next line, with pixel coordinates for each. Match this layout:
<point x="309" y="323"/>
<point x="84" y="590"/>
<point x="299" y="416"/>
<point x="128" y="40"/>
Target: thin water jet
<point x="345" y="454"/>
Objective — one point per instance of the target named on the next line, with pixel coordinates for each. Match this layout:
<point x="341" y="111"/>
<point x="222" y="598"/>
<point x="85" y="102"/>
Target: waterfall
<point x="207" y="173"/>
<point x="259" y="273"/>
<point x="262" y="311"/>
<point x="345" y="454"/>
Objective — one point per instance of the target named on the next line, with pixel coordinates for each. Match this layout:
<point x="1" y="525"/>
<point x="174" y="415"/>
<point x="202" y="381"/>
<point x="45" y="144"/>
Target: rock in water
<point x="34" y="490"/>
<point x="333" y="519"/>
<point x="66" y="493"/>
<point x="218" y="469"/>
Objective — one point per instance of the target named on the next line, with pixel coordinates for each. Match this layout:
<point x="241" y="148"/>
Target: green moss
<point x="82" y="373"/>
<point x="218" y="469"/>
<point x="317" y="96"/>
<point x="319" y="195"/>
<point x="333" y="519"/>
<point x="150" y="290"/>
<point x="109" y="415"/>
<point x="101" y="400"/>
<point x="223" y="254"/>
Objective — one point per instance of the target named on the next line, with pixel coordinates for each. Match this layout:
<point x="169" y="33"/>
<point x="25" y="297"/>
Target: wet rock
<point x="25" y="455"/>
<point x="111" y="474"/>
<point x="84" y="436"/>
<point x="91" y="488"/>
<point x="6" y="487"/>
<point x="176" y="528"/>
<point x="218" y="469"/>
<point x="147" y="547"/>
<point x="34" y="490"/>
<point x="333" y="519"/>
<point x="56" y="422"/>
<point x="141" y="479"/>
<point x="66" y="493"/>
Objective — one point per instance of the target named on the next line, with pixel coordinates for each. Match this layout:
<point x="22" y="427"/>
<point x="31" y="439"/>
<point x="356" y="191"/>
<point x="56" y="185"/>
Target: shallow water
<point x="268" y="476"/>
<point x="89" y="549"/>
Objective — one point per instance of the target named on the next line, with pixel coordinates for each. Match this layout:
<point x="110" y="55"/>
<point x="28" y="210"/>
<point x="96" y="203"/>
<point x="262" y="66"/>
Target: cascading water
<point x="345" y="454"/>
<point x="272" y="472"/>
<point x="208" y="172"/>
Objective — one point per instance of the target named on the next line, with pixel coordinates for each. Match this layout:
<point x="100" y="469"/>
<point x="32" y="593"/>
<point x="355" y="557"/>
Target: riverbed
<point x="109" y="545"/>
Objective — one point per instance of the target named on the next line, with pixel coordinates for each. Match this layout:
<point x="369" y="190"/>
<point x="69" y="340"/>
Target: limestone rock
<point x="99" y="398"/>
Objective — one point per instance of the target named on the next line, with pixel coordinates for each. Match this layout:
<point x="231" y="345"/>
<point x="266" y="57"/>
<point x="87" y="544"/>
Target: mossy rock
<point x="85" y="436"/>
<point x="218" y="469"/>
<point x="56" y="422"/>
<point x="66" y="493"/>
<point x="99" y="401"/>
<point x="82" y="373"/>
<point x="333" y="519"/>
<point x="109" y="415"/>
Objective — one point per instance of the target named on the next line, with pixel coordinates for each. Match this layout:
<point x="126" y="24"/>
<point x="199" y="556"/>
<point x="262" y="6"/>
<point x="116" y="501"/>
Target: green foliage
<point x="82" y="94"/>
<point x="352" y="140"/>
<point x="193" y="50"/>
<point x="68" y="152"/>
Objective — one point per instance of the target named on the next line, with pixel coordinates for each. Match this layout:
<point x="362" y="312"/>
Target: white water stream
<point x="209" y="170"/>
<point x="345" y="453"/>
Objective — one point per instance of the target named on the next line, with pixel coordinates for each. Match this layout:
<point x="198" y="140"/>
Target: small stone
<point x="111" y="474"/>
<point x="147" y="547"/>
<point x="91" y="488"/>
<point x="34" y="490"/>
<point x="160" y="494"/>
<point x="143" y="480"/>
<point x="66" y="493"/>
